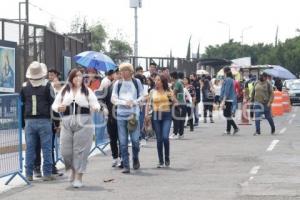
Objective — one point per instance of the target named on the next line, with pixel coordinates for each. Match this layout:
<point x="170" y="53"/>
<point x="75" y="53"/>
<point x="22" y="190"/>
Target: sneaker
<point x="121" y="166"/>
<point x="205" y="121"/>
<point x="29" y="178"/>
<point x="212" y="121"/>
<point x="173" y="136"/>
<point x="37" y="172"/>
<point x="256" y="133"/>
<point x="236" y="131"/>
<point x="196" y="124"/>
<point x="226" y="133"/>
<point x="115" y="162"/>
<point x="77" y="184"/>
<point x="129" y="144"/>
<point x="126" y="171"/>
<point x="160" y="165"/>
<point x="273" y="131"/>
<point x="136" y="164"/>
<point x="180" y="137"/>
<point x="191" y="129"/>
<point x="48" y="178"/>
<point x="143" y="142"/>
<point x="167" y="163"/>
<point x="56" y="172"/>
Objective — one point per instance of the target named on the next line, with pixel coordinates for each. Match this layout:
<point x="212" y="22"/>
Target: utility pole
<point x="228" y="26"/>
<point x="136" y="4"/>
<point x="242" y="35"/>
<point x="27" y="10"/>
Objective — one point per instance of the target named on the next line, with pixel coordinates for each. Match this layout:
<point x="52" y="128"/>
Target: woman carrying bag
<point x="160" y="106"/>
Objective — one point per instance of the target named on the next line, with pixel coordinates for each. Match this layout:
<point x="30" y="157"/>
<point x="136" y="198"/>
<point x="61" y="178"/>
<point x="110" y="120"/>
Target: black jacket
<point x="197" y="87"/>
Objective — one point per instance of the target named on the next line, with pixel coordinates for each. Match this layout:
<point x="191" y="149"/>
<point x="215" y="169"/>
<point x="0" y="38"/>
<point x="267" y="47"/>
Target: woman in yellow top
<point x="160" y="103"/>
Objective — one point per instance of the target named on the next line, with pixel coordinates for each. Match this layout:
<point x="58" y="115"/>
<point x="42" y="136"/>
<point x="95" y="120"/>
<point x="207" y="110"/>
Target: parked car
<point x="294" y="92"/>
<point x="287" y="83"/>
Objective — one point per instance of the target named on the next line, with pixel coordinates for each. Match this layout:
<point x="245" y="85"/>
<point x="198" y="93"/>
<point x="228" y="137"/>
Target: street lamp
<point x="228" y="25"/>
<point x="242" y="35"/>
<point x="136" y="4"/>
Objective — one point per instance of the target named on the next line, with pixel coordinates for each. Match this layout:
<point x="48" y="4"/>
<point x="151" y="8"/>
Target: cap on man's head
<point x="110" y="72"/>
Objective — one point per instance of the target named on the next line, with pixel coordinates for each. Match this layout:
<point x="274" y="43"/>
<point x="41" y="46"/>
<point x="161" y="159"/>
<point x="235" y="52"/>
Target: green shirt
<point x="178" y="90"/>
<point x="263" y="92"/>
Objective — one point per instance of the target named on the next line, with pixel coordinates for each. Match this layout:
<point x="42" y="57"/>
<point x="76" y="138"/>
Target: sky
<point x="166" y="25"/>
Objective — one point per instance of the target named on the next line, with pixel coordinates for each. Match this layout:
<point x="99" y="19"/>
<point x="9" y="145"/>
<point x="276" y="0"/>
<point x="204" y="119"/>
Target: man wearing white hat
<point x="37" y="100"/>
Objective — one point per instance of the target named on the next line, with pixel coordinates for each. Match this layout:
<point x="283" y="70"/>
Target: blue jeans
<point x="142" y="117"/>
<point x="35" y="129"/>
<point x="162" y="126"/>
<point x="260" y="109"/>
<point x="100" y="127"/>
<point x="123" y="137"/>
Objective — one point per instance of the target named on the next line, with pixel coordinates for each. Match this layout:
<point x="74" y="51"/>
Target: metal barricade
<point x="101" y="136"/>
<point x="11" y="160"/>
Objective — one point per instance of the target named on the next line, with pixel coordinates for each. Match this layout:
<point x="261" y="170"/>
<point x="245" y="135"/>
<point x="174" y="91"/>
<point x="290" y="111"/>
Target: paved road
<point x="205" y="165"/>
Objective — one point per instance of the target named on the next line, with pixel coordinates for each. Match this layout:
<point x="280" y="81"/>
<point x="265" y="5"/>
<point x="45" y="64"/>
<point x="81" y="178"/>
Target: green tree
<point x="99" y="37"/>
<point x="119" y="49"/>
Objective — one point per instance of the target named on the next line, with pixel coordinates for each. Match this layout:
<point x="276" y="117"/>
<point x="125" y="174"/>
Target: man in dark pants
<point x="196" y="83"/>
<point x="112" y="125"/>
<point x="180" y="109"/>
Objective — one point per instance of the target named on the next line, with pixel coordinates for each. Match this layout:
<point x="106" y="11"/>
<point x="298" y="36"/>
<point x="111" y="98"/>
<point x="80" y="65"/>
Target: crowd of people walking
<point x="129" y="106"/>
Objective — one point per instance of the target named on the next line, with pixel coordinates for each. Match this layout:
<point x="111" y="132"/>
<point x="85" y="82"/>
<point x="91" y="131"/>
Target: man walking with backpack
<point x="127" y="94"/>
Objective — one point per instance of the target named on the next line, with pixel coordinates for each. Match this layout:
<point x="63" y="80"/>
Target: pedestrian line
<point x="272" y="145"/>
<point x="254" y="170"/>
<point x="282" y="130"/>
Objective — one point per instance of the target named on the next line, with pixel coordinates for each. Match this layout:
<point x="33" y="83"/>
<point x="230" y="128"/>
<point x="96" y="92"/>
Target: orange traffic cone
<point x="277" y="104"/>
<point x="245" y="114"/>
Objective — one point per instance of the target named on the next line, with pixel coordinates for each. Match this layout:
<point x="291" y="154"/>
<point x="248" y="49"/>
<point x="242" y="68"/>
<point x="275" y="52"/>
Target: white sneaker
<point x="173" y="136"/>
<point x="143" y="142"/>
<point x="115" y="162"/>
<point x="77" y="184"/>
<point x="129" y="144"/>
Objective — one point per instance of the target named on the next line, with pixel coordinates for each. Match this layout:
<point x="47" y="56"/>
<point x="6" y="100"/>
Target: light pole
<point x="243" y="30"/>
<point x="228" y="26"/>
<point x="136" y="4"/>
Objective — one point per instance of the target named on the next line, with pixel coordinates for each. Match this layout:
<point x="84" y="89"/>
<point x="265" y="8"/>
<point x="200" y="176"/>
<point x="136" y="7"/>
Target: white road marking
<point x="282" y="130"/>
<point x="254" y="170"/>
<point x="291" y="121"/>
<point x="272" y="145"/>
<point x="251" y="178"/>
<point x="294" y="115"/>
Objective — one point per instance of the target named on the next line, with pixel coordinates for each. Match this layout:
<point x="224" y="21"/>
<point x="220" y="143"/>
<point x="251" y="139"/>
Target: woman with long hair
<point x="160" y="101"/>
<point x="228" y="97"/>
<point x="75" y="102"/>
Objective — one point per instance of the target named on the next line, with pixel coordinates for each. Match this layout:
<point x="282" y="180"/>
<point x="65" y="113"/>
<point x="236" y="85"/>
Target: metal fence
<point x="36" y="42"/>
<point x="173" y="64"/>
<point x="11" y="160"/>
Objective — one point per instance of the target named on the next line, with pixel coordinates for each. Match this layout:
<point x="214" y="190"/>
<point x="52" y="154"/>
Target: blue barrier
<point x="11" y="160"/>
<point x="101" y="136"/>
